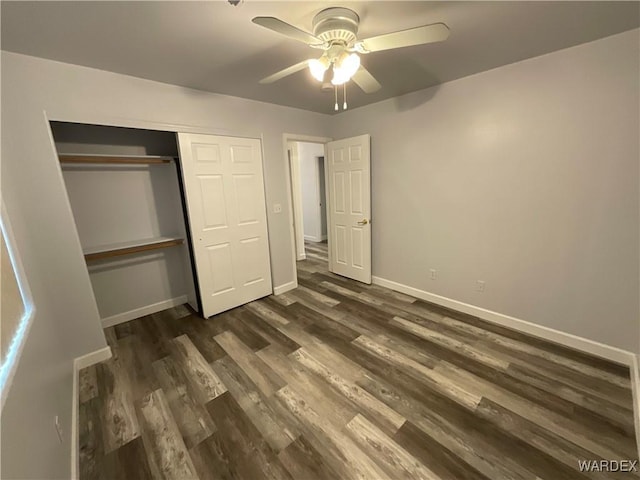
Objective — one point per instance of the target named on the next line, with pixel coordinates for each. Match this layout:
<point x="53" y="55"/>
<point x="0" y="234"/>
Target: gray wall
<point x="308" y="154"/>
<point x="525" y="177"/>
<point x="67" y="325"/>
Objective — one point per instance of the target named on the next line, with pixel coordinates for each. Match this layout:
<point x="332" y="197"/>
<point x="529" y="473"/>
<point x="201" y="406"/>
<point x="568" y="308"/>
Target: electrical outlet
<point x="433" y="274"/>
<point x="59" y="428"/>
<point x="480" y="286"/>
<point x="277" y="208"/>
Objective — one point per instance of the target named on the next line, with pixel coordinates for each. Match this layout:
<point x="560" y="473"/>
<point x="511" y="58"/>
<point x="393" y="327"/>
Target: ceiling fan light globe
<point x="317" y="69"/>
<point x="338" y="79"/>
<point x="350" y="65"/>
<point x="345" y="69"/>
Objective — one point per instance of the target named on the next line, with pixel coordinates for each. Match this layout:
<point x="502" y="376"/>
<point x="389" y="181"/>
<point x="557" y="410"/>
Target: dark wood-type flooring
<point x="340" y="380"/>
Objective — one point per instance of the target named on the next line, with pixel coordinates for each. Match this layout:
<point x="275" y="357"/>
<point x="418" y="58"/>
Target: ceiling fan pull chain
<point x="344" y="105"/>
<point x="335" y="90"/>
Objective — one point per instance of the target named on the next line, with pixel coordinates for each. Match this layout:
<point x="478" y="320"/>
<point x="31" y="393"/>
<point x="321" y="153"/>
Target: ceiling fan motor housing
<point x="336" y="25"/>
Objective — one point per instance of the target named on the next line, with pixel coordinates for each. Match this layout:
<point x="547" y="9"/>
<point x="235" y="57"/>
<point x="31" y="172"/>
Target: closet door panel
<point x="224" y="190"/>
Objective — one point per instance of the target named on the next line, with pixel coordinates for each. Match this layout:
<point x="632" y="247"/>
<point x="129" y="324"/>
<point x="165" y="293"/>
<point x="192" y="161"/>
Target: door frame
<point x="296" y="202"/>
<point x="286" y="139"/>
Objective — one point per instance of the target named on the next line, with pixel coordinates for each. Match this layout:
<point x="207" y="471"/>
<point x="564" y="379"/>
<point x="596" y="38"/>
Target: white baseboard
<point x="591" y="347"/>
<point x="635" y="384"/>
<point x="142" y="311"/>
<point x="92" y="358"/>
<point x="280" y="289"/>
<point x="78" y="364"/>
<point x="310" y="238"/>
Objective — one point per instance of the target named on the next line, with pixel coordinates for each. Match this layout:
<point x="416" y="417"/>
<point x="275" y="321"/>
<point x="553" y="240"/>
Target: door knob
<point x="363" y="222"/>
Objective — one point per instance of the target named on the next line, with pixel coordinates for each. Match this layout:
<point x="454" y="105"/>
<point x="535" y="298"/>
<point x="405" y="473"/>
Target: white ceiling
<point x="213" y="46"/>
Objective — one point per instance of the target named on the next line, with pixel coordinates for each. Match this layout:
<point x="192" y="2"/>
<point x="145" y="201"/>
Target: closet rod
<point x="116" y="252"/>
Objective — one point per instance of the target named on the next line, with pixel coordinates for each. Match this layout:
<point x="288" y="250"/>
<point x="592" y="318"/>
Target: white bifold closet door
<point x="224" y="193"/>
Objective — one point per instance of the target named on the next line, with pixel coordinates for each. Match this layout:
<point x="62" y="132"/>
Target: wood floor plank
<point x="123" y="330"/>
<point x="136" y="358"/>
<point x="283" y="299"/>
<point x="128" y="461"/>
<point x="445" y="464"/>
<point x="267" y="381"/>
<point x="268" y="314"/>
<point x="90" y="439"/>
<point x="568" y="352"/>
<point x="366" y="403"/>
<point x="325" y="300"/>
<point x="399" y="344"/>
<point x="308" y="300"/>
<point x="351" y="462"/>
<point x="356" y="296"/>
<point x="602" y="413"/>
<point x="394" y="459"/>
<point x="192" y="418"/>
<point x="155" y="342"/>
<point x="320" y="350"/>
<point x="609" y="447"/>
<point x="275" y="431"/>
<point x="271" y="334"/>
<point x="203" y="380"/>
<point x="88" y="384"/>
<point x="325" y="401"/>
<point x="303" y="461"/>
<point x="238" y="383"/>
<point x="539" y="438"/>
<point x="112" y="341"/>
<point x="211" y="459"/>
<point x="448" y="342"/>
<point x="167" y="454"/>
<point x="386" y="293"/>
<point x="433" y="378"/>
<point x="619" y="395"/>
<point x="304" y="313"/>
<point x="201" y="334"/>
<point x="250" y="337"/>
<point x="472" y="445"/>
<point x="518" y="346"/>
<point x="119" y="421"/>
<point x="248" y="453"/>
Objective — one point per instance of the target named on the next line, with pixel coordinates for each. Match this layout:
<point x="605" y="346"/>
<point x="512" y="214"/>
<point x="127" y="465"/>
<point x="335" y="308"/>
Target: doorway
<point x="347" y="204"/>
<point x="308" y="199"/>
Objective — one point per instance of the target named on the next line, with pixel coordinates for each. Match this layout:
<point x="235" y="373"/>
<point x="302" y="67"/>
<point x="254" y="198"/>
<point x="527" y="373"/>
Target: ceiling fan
<point x="335" y="33"/>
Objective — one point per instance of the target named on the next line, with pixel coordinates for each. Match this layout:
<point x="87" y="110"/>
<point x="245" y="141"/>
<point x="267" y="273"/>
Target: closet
<point x="166" y="218"/>
<point x="124" y="190"/>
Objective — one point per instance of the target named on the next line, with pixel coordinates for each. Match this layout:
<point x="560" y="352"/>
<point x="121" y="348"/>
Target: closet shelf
<point x="127" y="248"/>
<point x="114" y="159"/>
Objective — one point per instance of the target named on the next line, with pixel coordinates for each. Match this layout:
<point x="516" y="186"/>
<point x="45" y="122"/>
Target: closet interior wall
<point x="117" y="204"/>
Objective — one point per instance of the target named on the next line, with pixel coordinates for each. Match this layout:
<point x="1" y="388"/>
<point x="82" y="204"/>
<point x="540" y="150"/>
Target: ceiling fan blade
<point x="283" y="28"/>
<point x="285" y="73"/>
<point x="366" y="81"/>
<point x="405" y="38"/>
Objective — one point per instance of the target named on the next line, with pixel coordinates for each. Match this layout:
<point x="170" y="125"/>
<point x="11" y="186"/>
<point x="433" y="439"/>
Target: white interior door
<point x="224" y="193"/>
<point x="349" y="176"/>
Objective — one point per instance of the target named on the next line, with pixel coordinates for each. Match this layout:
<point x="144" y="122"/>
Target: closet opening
<point x="125" y="192"/>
